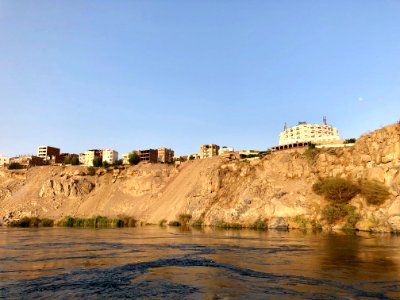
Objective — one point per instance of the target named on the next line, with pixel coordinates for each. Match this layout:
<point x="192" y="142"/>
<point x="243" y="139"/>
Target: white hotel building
<point x="315" y="133"/>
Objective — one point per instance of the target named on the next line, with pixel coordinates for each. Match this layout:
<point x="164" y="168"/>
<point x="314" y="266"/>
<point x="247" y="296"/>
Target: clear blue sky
<point x="140" y="74"/>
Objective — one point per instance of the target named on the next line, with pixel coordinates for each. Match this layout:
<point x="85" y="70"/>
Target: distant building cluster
<point x="300" y="135"/>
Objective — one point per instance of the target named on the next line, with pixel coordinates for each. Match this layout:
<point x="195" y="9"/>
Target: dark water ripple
<point x="172" y="266"/>
<point x="118" y="281"/>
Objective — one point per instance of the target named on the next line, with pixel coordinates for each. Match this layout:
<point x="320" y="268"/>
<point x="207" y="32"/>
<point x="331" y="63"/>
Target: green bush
<point x="374" y="192"/>
<point x="310" y="152"/>
<point x="336" y="189"/>
<point x="301" y="221"/>
<point x="97" y="162"/>
<point x="197" y="223"/>
<point x="106" y="164"/>
<point x="75" y="161"/>
<point x="334" y="213"/>
<point x="15" y="166"/>
<point x="118" y="162"/>
<point x="350" y="141"/>
<point x="337" y="212"/>
<point x="133" y="158"/>
<point x="32" y="222"/>
<point x="227" y="225"/>
<point x="129" y="221"/>
<point x="260" y="225"/>
<point x="98" y="222"/>
<point x="91" y="171"/>
<point x="47" y="222"/>
<point x="174" y="223"/>
<point x="71" y="159"/>
<point x="184" y="219"/>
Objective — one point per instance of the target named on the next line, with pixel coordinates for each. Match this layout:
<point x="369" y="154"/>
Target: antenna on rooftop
<point x="324" y="119"/>
<point x="285" y="127"/>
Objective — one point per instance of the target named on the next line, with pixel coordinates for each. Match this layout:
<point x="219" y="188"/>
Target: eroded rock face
<point x="4" y="192"/>
<point x="66" y="187"/>
<point x="277" y="188"/>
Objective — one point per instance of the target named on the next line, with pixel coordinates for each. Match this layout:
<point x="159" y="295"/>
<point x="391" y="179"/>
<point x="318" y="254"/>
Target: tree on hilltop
<point x="133" y="158"/>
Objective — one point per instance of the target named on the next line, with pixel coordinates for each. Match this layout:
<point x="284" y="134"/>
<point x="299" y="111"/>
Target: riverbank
<point x="273" y="192"/>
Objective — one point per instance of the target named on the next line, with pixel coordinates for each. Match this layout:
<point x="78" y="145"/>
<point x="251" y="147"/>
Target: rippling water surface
<point x="154" y="262"/>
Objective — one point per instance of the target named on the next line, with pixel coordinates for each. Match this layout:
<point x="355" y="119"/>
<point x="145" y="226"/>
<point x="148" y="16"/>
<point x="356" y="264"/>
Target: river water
<point x="152" y="262"/>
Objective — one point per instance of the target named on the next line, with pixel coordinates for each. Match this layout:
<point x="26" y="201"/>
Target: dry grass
<point x="374" y="192"/>
<point x="336" y="189"/>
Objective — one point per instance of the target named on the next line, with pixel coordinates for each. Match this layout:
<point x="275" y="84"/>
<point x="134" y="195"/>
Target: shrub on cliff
<point x="91" y="171"/>
<point x="184" y="219"/>
<point x="174" y="223"/>
<point x="310" y="153"/>
<point x="350" y="141"/>
<point x="75" y="161"/>
<point x="374" y="192"/>
<point x="32" y="222"/>
<point x="337" y="212"/>
<point x="15" y="166"/>
<point x="133" y="158"/>
<point x="335" y="189"/>
<point x="97" y="162"/>
<point x="259" y="225"/>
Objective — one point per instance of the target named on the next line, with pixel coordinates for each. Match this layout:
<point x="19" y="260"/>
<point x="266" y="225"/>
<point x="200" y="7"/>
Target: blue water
<point x="154" y="262"/>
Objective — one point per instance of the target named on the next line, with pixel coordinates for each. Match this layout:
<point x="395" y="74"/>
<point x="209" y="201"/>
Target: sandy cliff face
<point x="276" y="189"/>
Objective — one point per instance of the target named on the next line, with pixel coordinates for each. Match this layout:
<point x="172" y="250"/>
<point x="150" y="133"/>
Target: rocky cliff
<point x="276" y="189"/>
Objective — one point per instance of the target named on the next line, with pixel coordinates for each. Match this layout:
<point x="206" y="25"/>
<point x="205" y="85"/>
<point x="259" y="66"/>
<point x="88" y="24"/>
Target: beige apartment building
<point x="90" y="155"/>
<point x="110" y="156"/>
<point x="125" y="159"/>
<point x="165" y="155"/>
<point x="208" y="150"/>
<point x="315" y="133"/>
<point x="4" y="161"/>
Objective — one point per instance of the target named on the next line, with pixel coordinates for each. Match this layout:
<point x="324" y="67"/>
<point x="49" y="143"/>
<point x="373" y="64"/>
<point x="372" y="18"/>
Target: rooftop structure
<point x="304" y="133"/>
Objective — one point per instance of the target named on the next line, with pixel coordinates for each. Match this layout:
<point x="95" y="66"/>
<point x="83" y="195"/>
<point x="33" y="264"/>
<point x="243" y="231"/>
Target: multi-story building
<point x="90" y="155"/>
<point x="4" y="161"/>
<point x="110" y="156"/>
<point x="165" y="155"/>
<point x="125" y="159"/>
<point x="149" y="155"/>
<point x="49" y="154"/>
<point x="208" y="150"/>
<point x="315" y="133"/>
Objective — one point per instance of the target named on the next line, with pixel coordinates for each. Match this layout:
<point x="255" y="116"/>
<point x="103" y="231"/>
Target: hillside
<point x="276" y="189"/>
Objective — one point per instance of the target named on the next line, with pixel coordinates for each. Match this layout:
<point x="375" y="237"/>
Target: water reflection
<point x="197" y="263"/>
